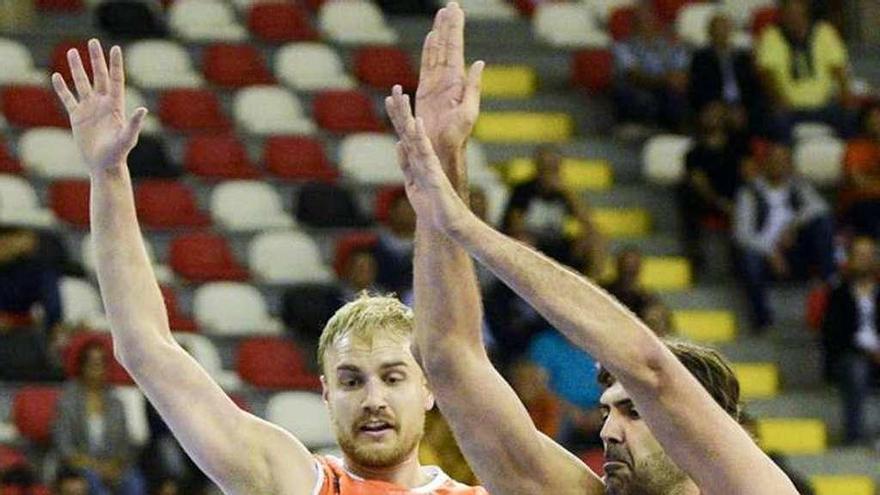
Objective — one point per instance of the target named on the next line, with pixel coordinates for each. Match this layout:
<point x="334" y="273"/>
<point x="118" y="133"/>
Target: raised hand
<point x="427" y="186"/>
<point x="97" y="117"/>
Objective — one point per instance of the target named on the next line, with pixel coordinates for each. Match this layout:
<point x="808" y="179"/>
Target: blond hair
<point x="363" y="319"/>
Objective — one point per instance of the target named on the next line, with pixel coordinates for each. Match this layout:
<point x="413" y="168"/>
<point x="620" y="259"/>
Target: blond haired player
<point x="375" y="391"/>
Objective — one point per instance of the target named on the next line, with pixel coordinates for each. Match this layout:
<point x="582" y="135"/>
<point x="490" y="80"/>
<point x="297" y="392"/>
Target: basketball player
<point x="375" y="391"/>
<point x="704" y="450"/>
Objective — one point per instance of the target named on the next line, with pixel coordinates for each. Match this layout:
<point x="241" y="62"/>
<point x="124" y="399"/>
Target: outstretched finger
<point x="99" y="66"/>
<point x="117" y="75"/>
<point x="420" y="139"/>
<point x="471" y="99"/>
<point x="454" y="36"/>
<point x="63" y="92"/>
<point x="80" y="79"/>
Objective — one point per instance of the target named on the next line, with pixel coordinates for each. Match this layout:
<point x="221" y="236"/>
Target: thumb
<point x="134" y="126"/>
<point x="471" y="98"/>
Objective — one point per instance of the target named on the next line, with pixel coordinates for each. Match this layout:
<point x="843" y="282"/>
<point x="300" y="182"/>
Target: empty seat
<point x="177" y="320"/>
<point x="58" y="59"/>
<point x="384" y="66"/>
<point x="820" y="160"/>
<point x="51" y="153"/>
<point x="134" y="405"/>
<point x="79" y="341"/>
<point x="32" y="106"/>
<point x="8" y="163"/>
<point x="271" y="110"/>
<point x="234" y="66"/>
<point x="524" y="127"/>
<point x="274" y="363"/>
<point x="164" y="204"/>
<point x="19" y="204"/>
<point x="87" y="249"/>
<point x="192" y="110"/>
<point x="248" y="206"/>
<point x="592" y="70"/>
<point x="287" y="257"/>
<point x="568" y="25"/>
<point x="621" y="22"/>
<point x="692" y="24"/>
<point x="159" y="64"/>
<point x="149" y="159"/>
<point x="69" y="199"/>
<point x="385" y="199"/>
<point x="219" y="157"/>
<point x="18" y="65"/>
<point x="370" y="158"/>
<point x="33" y="412"/>
<point x="298" y="158"/>
<point x="131" y="19"/>
<point x="324" y="205"/>
<point x="203" y="20"/>
<point x="306" y="308"/>
<point x="663" y="158"/>
<point x="354" y="22"/>
<point x="304" y="415"/>
<point x="228" y="308"/>
<point x="203" y="257"/>
<point x="81" y="304"/>
<point x="346" y="112"/>
<point x="280" y="22"/>
<point x="61" y="6"/>
<point x="206" y="354"/>
<point x="311" y="67"/>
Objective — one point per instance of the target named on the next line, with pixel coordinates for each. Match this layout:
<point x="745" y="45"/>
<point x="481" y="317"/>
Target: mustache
<point x="616" y="453"/>
<point x="373" y="418"/>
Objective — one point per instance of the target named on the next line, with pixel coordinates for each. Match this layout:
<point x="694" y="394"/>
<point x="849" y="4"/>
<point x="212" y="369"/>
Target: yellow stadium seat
<point x="622" y="222"/>
<point x="509" y="81"/>
<point x="708" y="326"/>
<point x="792" y="436"/>
<point x="843" y="485"/>
<point x="524" y="127"/>
<point x="577" y="174"/>
<point x="665" y="273"/>
<point x="757" y="380"/>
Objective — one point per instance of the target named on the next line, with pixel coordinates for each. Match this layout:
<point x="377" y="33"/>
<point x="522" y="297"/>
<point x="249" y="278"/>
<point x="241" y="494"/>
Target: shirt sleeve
<point x="814" y="205"/>
<point x="744" y="221"/>
<point x="831" y="47"/>
<point x="769" y="52"/>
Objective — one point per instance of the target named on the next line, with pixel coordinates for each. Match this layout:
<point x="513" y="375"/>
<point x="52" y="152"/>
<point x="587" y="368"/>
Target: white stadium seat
<point x="134" y="403"/>
<point x="663" y="158"/>
<point x="567" y="25"/>
<point x="205" y="20"/>
<point x="311" y="66"/>
<point x="17" y="65"/>
<point x="806" y="131"/>
<point x="488" y="9"/>
<point x="51" y="153"/>
<point x="160" y="64"/>
<point x="248" y="206"/>
<point x="133" y="100"/>
<point x="205" y="353"/>
<point x="271" y="110"/>
<point x="81" y="304"/>
<point x="354" y="22"/>
<point x="233" y="309"/>
<point x="692" y="24"/>
<point x="370" y="158"/>
<point x="19" y="204"/>
<point x="287" y="258"/>
<point x="820" y="160"/>
<point x="304" y="415"/>
<point x="603" y="9"/>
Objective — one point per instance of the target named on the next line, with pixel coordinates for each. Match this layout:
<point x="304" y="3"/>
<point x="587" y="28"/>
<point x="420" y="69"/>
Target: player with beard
<point x="375" y="391"/>
<point x="664" y="434"/>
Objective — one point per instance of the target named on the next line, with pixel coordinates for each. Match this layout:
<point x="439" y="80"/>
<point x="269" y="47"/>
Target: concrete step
<point x="839" y="461"/>
<point x="822" y="404"/>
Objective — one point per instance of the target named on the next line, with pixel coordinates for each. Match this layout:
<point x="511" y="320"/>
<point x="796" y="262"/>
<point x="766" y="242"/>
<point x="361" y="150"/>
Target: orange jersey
<point x="334" y="479"/>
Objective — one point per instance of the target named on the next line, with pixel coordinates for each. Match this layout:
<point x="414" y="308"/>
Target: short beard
<point x="376" y="456"/>
<point x="656" y="475"/>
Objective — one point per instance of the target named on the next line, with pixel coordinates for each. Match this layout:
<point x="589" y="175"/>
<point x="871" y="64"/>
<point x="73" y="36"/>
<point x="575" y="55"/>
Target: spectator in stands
<point x="651" y="74"/>
<point x="851" y="333"/>
<point x="658" y="317"/>
<point x="164" y="463"/>
<point x="360" y="274"/>
<point x="394" y="249"/>
<point x="626" y="286"/>
<point x="782" y="226"/>
<point x="70" y="481"/>
<point x="721" y="73"/>
<point x="26" y="281"/>
<point x="91" y="431"/>
<point x="713" y="175"/>
<point x="803" y="66"/>
<point x="861" y="194"/>
<point x="530" y="382"/>
<point x="538" y="212"/>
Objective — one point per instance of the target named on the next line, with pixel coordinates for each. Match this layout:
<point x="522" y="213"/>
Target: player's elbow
<point x="137" y="357"/>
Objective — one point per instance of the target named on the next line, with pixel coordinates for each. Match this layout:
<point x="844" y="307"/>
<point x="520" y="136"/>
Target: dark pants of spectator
<point x="693" y="210"/>
<point x="854" y="372"/>
<point x="864" y="216"/>
<point x="843" y="121"/>
<point x="132" y="483"/>
<point x="814" y="247"/>
<point x="660" y="106"/>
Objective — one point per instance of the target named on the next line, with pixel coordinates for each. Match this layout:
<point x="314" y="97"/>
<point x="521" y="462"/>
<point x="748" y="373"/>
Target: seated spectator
<point x="782" y="227"/>
<point x="860" y="198"/>
<point x="651" y="74"/>
<point x="359" y="274"/>
<point x="394" y="249"/>
<point x="851" y="334"/>
<point x="519" y="321"/>
<point x="539" y="210"/>
<point x="626" y="286"/>
<point x="26" y="281"/>
<point x="167" y="468"/>
<point x="722" y="73"/>
<point x="658" y="317"/>
<point x="803" y="65"/>
<point x="713" y="175"/>
<point x="91" y="431"/>
<point x="70" y="481"/>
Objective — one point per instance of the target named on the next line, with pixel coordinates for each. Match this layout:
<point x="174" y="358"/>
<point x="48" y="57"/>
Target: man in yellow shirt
<point x="803" y="65"/>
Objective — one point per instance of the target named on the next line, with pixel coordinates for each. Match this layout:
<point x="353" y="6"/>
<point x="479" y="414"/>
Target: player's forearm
<point x="129" y="289"/>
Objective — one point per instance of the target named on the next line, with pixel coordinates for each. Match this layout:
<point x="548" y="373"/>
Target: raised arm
<point x="231" y="446"/>
<point x="690" y="426"/>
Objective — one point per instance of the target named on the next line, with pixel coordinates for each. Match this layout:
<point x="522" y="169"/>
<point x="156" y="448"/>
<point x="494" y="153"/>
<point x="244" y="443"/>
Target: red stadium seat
<point x="116" y="374"/>
<point x="280" y="22"/>
<point x="204" y="257"/>
<point x="164" y="204"/>
<point x="192" y="110"/>
<point x="298" y="158"/>
<point x="667" y="10"/>
<point x="764" y="17"/>
<point x="592" y="70"/>
<point x="348" y="244"/>
<point x="66" y="6"/>
<point x="69" y="199"/>
<point x="11" y="457"/>
<point x="526" y="8"/>
<point x="176" y="319"/>
<point x="32" y="106"/>
<point x="315" y="5"/>
<point x="58" y="60"/>
<point x="234" y="66"/>
<point x="384" y="199"/>
<point x="346" y="112"/>
<point x="219" y="157"/>
<point x="383" y="67"/>
<point x="8" y="163"/>
<point x="33" y="412"/>
<point x="817" y="305"/>
<point x="620" y="25"/>
<point x="274" y="363"/>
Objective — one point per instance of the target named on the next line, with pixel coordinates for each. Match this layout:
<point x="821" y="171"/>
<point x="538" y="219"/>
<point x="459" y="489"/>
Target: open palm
<point x="101" y="131"/>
